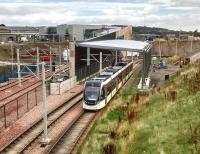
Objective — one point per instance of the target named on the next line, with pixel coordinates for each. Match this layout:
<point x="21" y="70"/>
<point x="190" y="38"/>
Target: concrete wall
<point x="168" y="48"/>
<point x="61" y="31"/>
<point x="79" y="30"/>
<point x="5" y="38"/>
<point x="72" y="58"/>
<point x="42" y="30"/>
<point x="76" y="32"/>
<point x="60" y="88"/>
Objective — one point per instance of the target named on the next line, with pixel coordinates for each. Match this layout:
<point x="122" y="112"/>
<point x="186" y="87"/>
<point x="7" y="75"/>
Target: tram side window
<point x="103" y="93"/>
<point x="120" y="78"/>
<point x="110" y="87"/>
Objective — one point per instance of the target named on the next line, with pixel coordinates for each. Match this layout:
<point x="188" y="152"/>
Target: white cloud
<point x="37" y="14"/>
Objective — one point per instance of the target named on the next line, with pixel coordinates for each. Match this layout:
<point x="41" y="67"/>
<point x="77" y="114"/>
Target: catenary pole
<point x="38" y="61"/>
<point x="18" y="69"/>
<point x="45" y="140"/>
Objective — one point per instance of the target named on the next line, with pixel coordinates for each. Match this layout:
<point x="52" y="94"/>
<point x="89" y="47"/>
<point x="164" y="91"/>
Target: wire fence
<point x="14" y="109"/>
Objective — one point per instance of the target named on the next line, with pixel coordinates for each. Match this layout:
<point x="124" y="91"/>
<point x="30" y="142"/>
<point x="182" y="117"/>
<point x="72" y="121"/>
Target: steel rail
<point x="13" y="83"/>
<point x="36" y="82"/>
<point x="55" y="115"/>
<point x="79" y="125"/>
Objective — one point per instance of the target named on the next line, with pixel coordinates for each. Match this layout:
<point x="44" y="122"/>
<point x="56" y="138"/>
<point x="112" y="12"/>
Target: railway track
<point x="26" y="83"/>
<point x="15" y="82"/>
<point x="24" y="141"/>
<point x="66" y="142"/>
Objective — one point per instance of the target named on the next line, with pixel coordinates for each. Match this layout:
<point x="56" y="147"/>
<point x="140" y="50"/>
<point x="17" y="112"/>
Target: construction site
<point x="44" y="73"/>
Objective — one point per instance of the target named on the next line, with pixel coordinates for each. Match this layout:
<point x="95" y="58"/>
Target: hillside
<point x="157" y="31"/>
<point x="164" y="122"/>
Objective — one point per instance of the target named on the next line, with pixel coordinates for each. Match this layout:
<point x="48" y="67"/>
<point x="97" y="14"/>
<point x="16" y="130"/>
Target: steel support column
<point x="88" y="56"/>
<point x="143" y="69"/>
<point x="100" y="62"/>
<point x="116" y="56"/>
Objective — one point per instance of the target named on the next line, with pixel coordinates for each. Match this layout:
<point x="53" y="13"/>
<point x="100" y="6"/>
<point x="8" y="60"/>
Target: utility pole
<point x="45" y="140"/>
<point x="60" y="60"/>
<point x="11" y="48"/>
<point x="100" y="62"/>
<point x="176" y="46"/>
<point x="38" y="61"/>
<point x="18" y="69"/>
<point x="143" y="70"/>
<point x="50" y="59"/>
<point x="191" y="45"/>
<point x="160" y="48"/>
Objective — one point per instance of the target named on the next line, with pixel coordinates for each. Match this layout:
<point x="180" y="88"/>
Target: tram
<point x="99" y="90"/>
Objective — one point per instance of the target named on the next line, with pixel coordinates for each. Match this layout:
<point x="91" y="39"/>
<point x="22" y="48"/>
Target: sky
<point x="171" y="14"/>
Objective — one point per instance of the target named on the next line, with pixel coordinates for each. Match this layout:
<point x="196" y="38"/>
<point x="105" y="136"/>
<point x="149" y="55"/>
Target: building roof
<point x="128" y="45"/>
<point x="18" y="30"/>
<point x="105" y="32"/>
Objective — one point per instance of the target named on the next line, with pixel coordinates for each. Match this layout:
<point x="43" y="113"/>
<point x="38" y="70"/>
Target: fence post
<point x="38" y="60"/>
<point x="27" y="102"/>
<point x="4" y="111"/>
<point x="59" y="88"/>
<point x="36" y="95"/>
<point x="17" y="109"/>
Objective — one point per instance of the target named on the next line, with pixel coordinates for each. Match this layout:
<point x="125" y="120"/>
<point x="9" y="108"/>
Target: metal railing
<point x="12" y="110"/>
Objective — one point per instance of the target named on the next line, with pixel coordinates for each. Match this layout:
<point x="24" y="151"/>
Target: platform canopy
<point x="127" y="45"/>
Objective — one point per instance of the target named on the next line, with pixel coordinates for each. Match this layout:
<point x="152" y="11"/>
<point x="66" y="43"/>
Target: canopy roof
<point x="128" y="45"/>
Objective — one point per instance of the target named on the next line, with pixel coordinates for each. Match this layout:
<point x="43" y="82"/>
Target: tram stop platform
<point x="35" y="115"/>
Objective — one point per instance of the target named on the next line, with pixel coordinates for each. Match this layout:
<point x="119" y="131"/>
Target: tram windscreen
<point x="92" y="91"/>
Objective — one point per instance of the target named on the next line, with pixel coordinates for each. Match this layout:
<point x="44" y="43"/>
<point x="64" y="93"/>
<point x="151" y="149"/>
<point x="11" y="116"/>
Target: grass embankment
<point x="165" y="122"/>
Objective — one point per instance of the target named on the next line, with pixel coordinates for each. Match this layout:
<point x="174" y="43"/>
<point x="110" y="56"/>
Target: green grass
<point x="162" y="126"/>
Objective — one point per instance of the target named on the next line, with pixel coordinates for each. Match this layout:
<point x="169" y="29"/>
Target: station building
<point x="80" y="53"/>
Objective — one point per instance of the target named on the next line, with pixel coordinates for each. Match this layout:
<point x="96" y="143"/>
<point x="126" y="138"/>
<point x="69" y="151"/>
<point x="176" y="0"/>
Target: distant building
<point x="184" y="36"/>
<point x="193" y="38"/>
<point x="76" y="32"/>
<point x="145" y="37"/>
<point x="171" y="36"/>
<point x="13" y="33"/>
<point x="48" y="34"/>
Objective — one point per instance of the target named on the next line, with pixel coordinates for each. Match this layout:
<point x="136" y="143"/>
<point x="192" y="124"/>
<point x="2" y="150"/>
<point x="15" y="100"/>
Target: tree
<point x="196" y="33"/>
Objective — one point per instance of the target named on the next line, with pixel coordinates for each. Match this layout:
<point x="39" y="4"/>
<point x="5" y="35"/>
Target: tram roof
<point x="128" y="45"/>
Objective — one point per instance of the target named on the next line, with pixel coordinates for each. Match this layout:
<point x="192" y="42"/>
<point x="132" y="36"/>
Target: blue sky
<point x="172" y="14"/>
